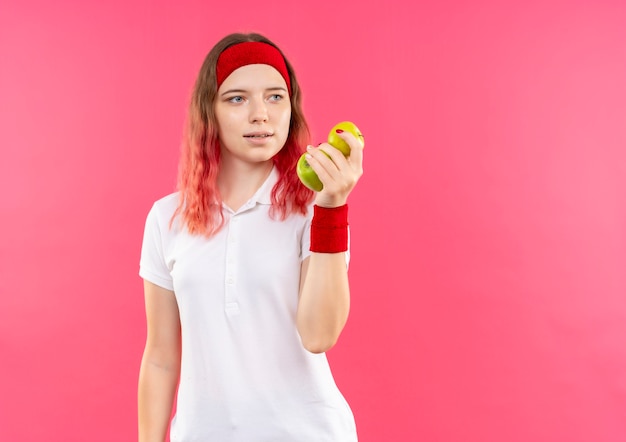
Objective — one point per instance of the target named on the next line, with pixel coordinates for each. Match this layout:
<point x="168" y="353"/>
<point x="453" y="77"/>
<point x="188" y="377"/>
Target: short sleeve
<point x="152" y="265"/>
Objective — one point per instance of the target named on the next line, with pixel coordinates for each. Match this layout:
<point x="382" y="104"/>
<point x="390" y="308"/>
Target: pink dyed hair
<point x="200" y="201"/>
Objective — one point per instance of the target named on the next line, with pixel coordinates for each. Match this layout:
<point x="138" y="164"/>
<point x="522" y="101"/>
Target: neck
<point x="238" y="181"/>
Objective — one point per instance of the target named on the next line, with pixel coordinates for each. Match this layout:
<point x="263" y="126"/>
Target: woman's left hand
<point x="337" y="173"/>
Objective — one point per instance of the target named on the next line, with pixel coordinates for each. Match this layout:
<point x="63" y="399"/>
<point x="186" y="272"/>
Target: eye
<point x="236" y="99"/>
<point x="276" y="97"/>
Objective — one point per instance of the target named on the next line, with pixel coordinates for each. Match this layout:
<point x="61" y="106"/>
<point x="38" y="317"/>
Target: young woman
<point x="245" y="269"/>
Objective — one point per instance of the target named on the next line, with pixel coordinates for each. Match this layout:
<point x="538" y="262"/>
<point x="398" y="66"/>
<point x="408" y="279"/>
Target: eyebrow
<point x="239" y="91"/>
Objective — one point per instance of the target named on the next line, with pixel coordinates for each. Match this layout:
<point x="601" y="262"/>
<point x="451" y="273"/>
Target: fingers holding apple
<point x="332" y="169"/>
<point x="344" y="137"/>
<point x="338" y="174"/>
<point x="356" y="144"/>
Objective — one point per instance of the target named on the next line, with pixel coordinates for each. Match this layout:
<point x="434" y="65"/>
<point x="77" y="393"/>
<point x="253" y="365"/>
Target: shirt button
<point x="230" y="280"/>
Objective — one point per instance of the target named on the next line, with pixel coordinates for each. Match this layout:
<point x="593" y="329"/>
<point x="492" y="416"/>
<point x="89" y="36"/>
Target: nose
<point x="258" y="111"/>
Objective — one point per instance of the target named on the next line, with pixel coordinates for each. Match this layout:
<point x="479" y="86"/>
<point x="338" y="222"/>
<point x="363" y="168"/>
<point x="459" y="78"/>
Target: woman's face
<point x="253" y="111"/>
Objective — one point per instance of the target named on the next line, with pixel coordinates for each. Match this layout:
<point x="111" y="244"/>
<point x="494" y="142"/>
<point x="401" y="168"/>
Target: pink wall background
<point x="489" y="241"/>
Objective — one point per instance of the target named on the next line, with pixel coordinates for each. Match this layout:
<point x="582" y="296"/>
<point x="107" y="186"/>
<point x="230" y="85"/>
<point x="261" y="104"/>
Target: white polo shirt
<point x="245" y="376"/>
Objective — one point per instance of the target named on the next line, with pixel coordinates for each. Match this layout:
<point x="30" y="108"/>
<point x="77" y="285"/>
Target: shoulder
<point x="163" y="209"/>
<point x="300" y="217"/>
<point x="167" y="205"/>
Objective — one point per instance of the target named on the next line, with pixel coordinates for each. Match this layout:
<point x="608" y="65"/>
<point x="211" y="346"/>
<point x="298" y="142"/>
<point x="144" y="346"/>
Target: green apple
<point x="307" y="175"/>
<point x="338" y="143"/>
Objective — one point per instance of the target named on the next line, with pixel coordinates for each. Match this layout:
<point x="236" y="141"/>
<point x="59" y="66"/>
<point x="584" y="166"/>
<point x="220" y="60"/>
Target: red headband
<point x="250" y="52"/>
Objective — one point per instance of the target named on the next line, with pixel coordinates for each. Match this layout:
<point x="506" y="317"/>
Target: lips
<point x="258" y="135"/>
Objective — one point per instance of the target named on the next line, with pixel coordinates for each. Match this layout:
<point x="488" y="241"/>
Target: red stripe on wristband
<point x="329" y="229"/>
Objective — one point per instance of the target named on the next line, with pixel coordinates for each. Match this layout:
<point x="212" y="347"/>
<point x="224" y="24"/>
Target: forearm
<point x="157" y="388"/>
<point x="324" y="301"/>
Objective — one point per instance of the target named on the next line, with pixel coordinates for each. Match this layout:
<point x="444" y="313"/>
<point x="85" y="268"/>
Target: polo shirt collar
<point x="262" y="196"/>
